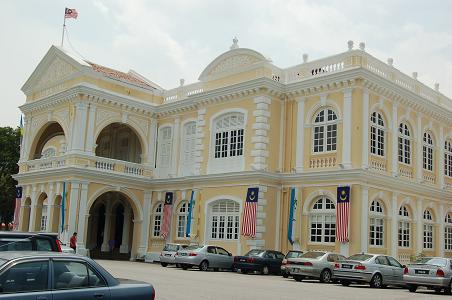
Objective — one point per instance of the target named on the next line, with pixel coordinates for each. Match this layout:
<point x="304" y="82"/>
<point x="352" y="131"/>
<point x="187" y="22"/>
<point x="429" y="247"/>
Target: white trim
<point x="313" y="196"/>
<point x="365" y="120"/>
<point x="364" y="218"/>
<point x="315" y="109"/>
<point x="300" y="139"/>
<point x="347" y="129"/>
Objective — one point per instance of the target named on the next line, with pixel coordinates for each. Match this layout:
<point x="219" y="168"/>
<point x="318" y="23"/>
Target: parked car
<point x="374" y="269"/>
<point x="291" y="254"/>
<point x="29" y="241"/>
<point x="168" y="254"/>
<point x="26" y="275"/>
<point x="432" y="272"/>
<point x="204" y="257"/>
<point x="314" y="264"/>
<point x="263" y="261"/>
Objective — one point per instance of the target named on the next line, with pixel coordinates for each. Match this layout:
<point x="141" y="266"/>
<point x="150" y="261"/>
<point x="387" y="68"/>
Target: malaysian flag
<point x="250" y="212"/>
<point x="70" y="13"/>
<point x="167" y="209"/>
<point x="342" y="213"/>
<point x="17" y="207"/>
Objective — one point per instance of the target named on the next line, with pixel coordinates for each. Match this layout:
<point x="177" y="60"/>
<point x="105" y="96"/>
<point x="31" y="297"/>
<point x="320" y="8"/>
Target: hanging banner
<point x="292" y="214"/>
<point x="191" y="206"/>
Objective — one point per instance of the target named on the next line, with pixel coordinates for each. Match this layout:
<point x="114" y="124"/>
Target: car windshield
<point x="170" y="247"/>
<point x="360" y="257"/>
<point x="255" y="252"/>
<point x="293" y="254"/>
<point x="313" y="255"/>
<point x="440" y="262"/>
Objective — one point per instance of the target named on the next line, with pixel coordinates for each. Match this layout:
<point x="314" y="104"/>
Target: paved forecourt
<point x="172" y="283"/>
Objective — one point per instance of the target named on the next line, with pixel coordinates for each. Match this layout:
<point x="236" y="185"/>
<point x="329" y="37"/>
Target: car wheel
<point x="438" y="290"/>
<point x="184" y="267"/>
<point x="285" y="275"/>
<point x="216" y="269"/>
<point x="448" y="289"/>
<point x="164" y="264"/>
<point x="177" y="265"/>
<point x="204" y="266"/>
<point x="325" y="276"/>
<point x="265" y="270"/>
<point x="243" y="271"/>
<point x="345" y="282"/>
<point x="376" y="281"/>
<point x="298" y="278"/>
<point x="412" y="288"/>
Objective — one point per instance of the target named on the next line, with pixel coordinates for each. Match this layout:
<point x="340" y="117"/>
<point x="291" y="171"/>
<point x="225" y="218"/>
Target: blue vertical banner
<point x="191" y="206"/>
<point x="292" y="215"/>
<point x="63" y="204"/>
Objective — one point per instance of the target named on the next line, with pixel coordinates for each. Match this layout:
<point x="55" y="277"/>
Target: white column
<point x="347" y="130"/>
<point x="34" y="200"/>
<point x="90" y="142"/>
<point x="419" y="226"/>
<point x="175" y="148"/>
<point x="418" y="144"/>
<point x="278" y="219"/>
<point x="199" y="147"/>
<point x="395" y="141"/>
<point x="440" y="237"/>
<point x="365" y="131"/>
<point x="364" y="218"/>
<point x="152" y="143"/>
<point x="79" y="128"/>
<point x="441" y="162"/>
<point x="73" y="207"/>
<point x="394" y="225"/>
<point x="124" y="248"/>
<point x="144" y="238"/>
<point x="300" y="134"/>
<point x="107" y="226"/>
<point x="82" y="220"/>
<point x="50" y="207"/>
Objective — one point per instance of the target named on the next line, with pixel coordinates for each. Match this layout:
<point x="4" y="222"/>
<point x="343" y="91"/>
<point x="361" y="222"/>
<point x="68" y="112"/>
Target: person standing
<point x="73" y="241"/>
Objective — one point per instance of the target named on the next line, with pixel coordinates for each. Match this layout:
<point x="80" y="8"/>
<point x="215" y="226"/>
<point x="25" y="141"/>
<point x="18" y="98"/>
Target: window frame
<point x="428" y="152"/>
<point x="155" y="214"/>
<point x="164" y="149"/>
<point x="325" y="215"/>
<point x="13" y="264"/>
<point x="377" y="132"/>
<point x="448" y="232"/>
<point x="88" y="267"/>
<point x="325" y="131"/>
<point x="448" y="158"/>
<point x="188" y="148"/>
<point x="180" y="214"/>
<point x="404" y="142"/>
<point x="375" y="216"/>
<point x="404" y="228"/>
<point x="219" y="221"/>
<point x="427" y="230"/>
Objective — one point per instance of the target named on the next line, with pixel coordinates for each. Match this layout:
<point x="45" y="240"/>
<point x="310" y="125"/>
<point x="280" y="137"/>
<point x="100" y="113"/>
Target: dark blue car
<point x="55" y="276"/>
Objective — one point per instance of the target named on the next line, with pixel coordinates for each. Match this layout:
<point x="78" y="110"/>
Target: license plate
<point x="346" y="266"/>
<point x="183" y="254"/>
<point x="243" y="260"/>
<point x="167" y="254"/>
<point x="421" y="271"/>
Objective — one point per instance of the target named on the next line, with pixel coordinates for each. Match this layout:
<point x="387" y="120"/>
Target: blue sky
<point x="169" y="40"/>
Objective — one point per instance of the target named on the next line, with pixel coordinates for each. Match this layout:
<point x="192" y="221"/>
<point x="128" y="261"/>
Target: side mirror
<point x="229" y="254"/>
<point x="404" y="266"/>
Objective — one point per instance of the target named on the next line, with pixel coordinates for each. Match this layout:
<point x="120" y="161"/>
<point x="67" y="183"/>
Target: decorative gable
<point x="57" y="71"/>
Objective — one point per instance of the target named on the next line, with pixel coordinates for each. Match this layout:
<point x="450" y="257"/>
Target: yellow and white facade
<point x="119" y="142"/>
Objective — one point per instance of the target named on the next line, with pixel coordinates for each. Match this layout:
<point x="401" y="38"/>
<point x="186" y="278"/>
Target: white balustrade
<point x="322" y="162"/>
<point x="429" y="177"/>
<point x="406" y="172"/>
<point x="379" y="165"/>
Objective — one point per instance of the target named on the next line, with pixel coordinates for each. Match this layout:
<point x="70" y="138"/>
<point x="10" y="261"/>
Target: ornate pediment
<point x="58" y="70"/>
<point x="232" y="63"/>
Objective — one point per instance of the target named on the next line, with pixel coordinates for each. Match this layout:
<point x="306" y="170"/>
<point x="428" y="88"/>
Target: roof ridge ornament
<point x="235" y="44"/>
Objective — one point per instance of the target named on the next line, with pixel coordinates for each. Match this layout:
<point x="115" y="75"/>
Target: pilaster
<point x="83" y="216"/>
<point x="79" y="127"/>
<point x="34" y="200"/>
<point x="259" y="241"/>
<point x="440" y="237"/>
<point x="419" y="226"/>
<point x="144" y="238"/>
<point x="73" y="206"/>
<point x="299" y="163"/>
<point x="199" y="147"/>
<point x="394" y="224"/>
<point x="347" y="130"/>
<point x="260" y="137"/>
<point x="364" y="218"/>
<point x="90" y="142"/>
<point x="441" y="162"/>
<point x="365" y="131"/>
<point x="395" y="141"/>
<point x="419" y="146"/>
<point x="176" y="143"/>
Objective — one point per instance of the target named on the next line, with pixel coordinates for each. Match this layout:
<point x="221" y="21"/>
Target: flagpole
<point x="64" y="26"/>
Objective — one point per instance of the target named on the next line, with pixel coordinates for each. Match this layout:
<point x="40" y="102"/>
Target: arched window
<point x="323" y="221"/>
<point x="325" y="131"/>
<point x="427" y="152"/>
<point x="448" y="158"/>
<point x="182" y="215"/>
<point x="376" y="227"/>
<point x="377" y="134"/>
<point x="224" y="220"/>
<point x="428" y="230"/>
<point x="448" y="232"/>
<point x="49" y="152"/>
<point x="157" y="219"/>
<point x="188" y="148"/>
<point x="165" y="141"/>
<point x="229" y="131"/>
<point x="44" y="216"/>
<point x="404" y="227"/>
<point x="404" y="144"/>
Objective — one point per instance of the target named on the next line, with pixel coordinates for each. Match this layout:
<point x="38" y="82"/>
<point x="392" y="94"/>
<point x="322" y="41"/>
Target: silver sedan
<point x="204" y="257"/>
<point x="314" y="264"/>
<point x="431" y="272"/>
<point x="374" y="269"/>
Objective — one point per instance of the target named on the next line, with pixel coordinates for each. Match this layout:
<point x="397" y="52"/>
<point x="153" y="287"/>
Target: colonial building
<point x="112" y="144"/>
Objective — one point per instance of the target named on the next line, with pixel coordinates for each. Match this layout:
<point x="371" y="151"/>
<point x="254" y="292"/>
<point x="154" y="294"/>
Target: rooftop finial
<point x="390" y="62"/>
<point x="305" y="58"/>
<point x="437" y="87"/>
<point x="350" y="45"/>
<point x="362" y="46"/>
<point x="235" y="44"/>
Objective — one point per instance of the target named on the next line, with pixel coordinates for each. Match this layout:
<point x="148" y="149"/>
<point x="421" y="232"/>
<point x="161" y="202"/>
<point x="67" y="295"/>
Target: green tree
<point x="9" y="156"/>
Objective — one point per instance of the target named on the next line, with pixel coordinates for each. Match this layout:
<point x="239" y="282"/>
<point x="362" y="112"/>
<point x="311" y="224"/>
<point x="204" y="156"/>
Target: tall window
<point x="325" y="131"/>
<point x="188" y="148"/>
<point x="229" y="135"/>
<point x="158" y="219"/>
<point x="404" y="227"/>
<point x="427" y="152"/>
<point x="323" y="221"/>
<point x="377" y="134"/>
<point x="44" y="216"/>
<point x="165" y="145"/>
<point x="404" y="144"/>
<point x="182" y="215"/>
<point x="448" y="232"/>
<point x="376" y="227"/>
<point x="448" y="158"/>
<point x="224" y="220"/>
<point x="428" y="230"/>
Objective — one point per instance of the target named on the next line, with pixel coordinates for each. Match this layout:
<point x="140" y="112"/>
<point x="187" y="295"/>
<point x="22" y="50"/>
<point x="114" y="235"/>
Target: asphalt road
<point x="174" y="284"/>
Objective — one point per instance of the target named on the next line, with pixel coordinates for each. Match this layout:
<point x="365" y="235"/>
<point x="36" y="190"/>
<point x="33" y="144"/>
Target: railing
<point x="45" y="163"/>
<point x="406" y="171"/>
<point x="378" y="164"/>
<point x="318" y="162"/>
<point x="183" y="92"/>
<point x="429" y="177"/>
<point x="404" y="258"/>
<point x="119" y="166"/>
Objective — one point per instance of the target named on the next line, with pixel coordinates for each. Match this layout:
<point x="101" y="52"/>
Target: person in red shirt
<point x="73" y="241"/>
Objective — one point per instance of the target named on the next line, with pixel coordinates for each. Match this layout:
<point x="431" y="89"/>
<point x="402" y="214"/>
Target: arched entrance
<point x="110" y="227"/>
<point x="41" y="213"/>
<point x="50" y="141"/>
